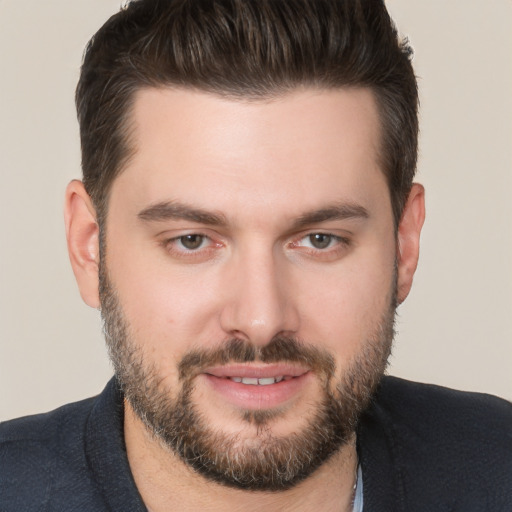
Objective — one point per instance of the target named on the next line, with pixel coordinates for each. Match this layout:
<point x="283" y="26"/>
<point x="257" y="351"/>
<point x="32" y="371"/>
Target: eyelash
<point x="336" y="245"/>
<point x="332" y="238"/>
<point x="200" y="252"/>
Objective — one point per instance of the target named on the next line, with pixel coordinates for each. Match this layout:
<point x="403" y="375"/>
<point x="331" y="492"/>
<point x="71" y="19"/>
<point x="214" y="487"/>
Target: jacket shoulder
<point x="447" y="445"/>
<point x="43" y="449"/>
<point x="44" y="426"/>
<point x="440" y="409"/>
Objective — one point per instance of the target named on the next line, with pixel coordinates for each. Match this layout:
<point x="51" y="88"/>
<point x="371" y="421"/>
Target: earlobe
<point x="82" y="234"/>
<point x="409" y="231"/>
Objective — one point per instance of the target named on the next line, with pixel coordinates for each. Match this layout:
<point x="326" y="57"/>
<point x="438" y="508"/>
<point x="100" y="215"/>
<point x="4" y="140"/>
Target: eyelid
<point x="170" y="243"/>
<point x="334" y="251"/>
<point x="342" y="238"/>
<point x="203" y="240"/>
<point x="340" y="243"/>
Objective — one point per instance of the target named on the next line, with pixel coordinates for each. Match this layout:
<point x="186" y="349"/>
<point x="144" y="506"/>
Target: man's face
<point x="249" y="274"/>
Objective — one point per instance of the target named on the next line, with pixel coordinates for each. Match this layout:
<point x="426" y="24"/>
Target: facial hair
<point x="267" y="462"/>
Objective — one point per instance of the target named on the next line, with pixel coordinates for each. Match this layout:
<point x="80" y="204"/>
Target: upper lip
<point x="257" y="370"/>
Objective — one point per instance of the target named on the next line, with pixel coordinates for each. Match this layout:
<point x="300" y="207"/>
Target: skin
<point x="260" y="167"/>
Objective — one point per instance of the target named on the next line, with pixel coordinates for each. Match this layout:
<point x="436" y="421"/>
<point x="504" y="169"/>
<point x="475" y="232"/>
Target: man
<point x="247" y="224"/>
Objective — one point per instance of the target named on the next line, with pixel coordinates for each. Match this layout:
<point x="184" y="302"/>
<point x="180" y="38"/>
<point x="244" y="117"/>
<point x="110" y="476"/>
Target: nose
<point x="260" y="302"/>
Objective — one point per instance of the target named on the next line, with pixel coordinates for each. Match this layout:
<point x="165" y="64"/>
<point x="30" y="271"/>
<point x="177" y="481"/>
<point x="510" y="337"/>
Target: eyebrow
<point x="342" y="211"/>
<point x="173" y="210"/>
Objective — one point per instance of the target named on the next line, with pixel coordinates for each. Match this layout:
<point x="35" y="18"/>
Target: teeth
<point x="267" y="381"/>
<point x="253" y="381"/>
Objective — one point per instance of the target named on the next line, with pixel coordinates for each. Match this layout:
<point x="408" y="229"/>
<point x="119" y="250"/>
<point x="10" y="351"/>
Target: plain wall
<point x="456" y="327"/>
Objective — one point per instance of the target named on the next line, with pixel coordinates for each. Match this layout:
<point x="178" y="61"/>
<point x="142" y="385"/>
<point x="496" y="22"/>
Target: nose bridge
<point x="259" y="304"/>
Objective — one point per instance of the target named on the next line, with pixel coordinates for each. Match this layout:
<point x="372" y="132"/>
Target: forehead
<point x="307" y="145"/>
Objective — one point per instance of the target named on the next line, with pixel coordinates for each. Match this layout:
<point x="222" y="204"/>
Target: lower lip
<point x="246" y="396"/>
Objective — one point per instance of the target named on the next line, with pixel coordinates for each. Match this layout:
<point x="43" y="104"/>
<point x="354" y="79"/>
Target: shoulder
<point x="465" y="426"/>
<point x="443" y="444"/>
<point x="439" y="408"/>
<point x="42" y="449"/>
<point x="462" y="424"/>
<point x="40" y="425"/>
<point x="49" y="429"/>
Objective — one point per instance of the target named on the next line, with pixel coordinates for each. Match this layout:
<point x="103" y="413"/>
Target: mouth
<point x="262" y="381"/>
<point x="257" y="386"/>
<point x="258" y="374"/>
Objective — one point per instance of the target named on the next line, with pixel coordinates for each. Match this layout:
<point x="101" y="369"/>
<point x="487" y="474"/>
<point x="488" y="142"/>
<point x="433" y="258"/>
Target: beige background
<point x="456" y="327"/>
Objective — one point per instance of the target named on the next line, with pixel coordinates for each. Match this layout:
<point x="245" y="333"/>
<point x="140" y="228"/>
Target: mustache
<point x="280" y="349"/>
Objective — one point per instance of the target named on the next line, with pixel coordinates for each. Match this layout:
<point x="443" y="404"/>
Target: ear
<point x="409" y="231"/>
<point x="82" y="233"/>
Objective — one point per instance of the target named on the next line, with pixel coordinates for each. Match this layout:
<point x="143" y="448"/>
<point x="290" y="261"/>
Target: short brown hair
<point x="244" y="48"/>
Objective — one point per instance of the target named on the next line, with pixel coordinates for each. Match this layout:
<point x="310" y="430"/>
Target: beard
<point x="266" y="462"/>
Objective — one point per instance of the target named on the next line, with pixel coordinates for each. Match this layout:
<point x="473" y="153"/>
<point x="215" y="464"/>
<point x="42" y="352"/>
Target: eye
<point x="192" y="242"/>
<point x="192" y="247"/>
<point x="320" y="240"/>
<point x="322" y="246"/>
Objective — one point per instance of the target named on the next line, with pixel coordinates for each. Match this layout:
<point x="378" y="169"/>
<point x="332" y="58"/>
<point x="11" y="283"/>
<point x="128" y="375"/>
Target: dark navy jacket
<point x="422" y="448"/>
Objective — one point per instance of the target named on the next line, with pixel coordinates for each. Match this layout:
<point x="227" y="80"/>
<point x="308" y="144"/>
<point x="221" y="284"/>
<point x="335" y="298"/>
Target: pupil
<point x="320" y="241"/>
<point x="191" y="241"/>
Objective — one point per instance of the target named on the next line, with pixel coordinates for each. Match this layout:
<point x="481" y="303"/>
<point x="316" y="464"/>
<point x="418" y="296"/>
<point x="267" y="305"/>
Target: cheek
<point x="349" y="305"/>
<point x="168" y="308"/>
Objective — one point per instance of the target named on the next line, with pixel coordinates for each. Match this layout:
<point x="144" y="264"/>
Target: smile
<point x="264" y="381"/>
<point x="257" y="386"/>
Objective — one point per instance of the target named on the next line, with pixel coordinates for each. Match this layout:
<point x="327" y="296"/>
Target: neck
<point x="166" y="483"/>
